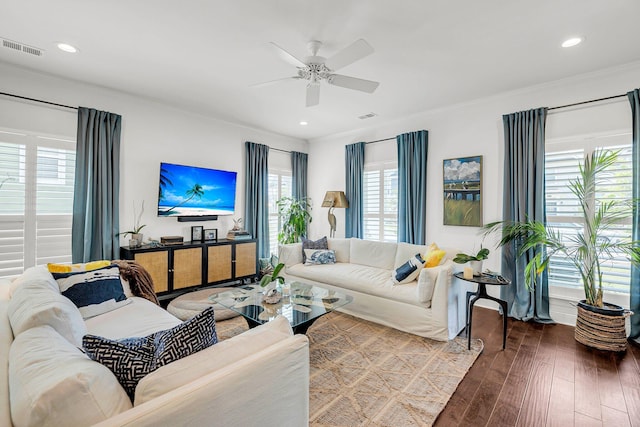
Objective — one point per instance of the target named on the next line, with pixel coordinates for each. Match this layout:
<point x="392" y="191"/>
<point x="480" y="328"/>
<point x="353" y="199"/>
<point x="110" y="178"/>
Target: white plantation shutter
<point x="380" y="207"/>
<point x="563" y="211"/>
<point x="280" y="185"/>
<point x="36" y="200"/>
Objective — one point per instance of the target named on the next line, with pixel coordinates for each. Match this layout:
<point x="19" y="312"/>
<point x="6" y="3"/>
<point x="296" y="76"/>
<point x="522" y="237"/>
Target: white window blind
<point x="563" y="210"/>
<point x="381" y="202"/>
<point x="36" y="200"/>
<point x="279" y="186"/>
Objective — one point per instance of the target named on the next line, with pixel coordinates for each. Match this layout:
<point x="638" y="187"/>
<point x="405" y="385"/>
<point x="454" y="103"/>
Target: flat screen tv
<point x="193" y="192"/>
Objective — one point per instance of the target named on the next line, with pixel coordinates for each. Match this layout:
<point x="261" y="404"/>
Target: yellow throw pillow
<point x="433" y="258"/>
<point x="73" y="268"/>
<point x="432" y="247"/>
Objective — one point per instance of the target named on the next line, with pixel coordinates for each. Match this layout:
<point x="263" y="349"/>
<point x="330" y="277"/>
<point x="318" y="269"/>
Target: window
<point x="563" y="211"/>
<point x="381" y="202"/>
<point x="36" y="200"/>
<point x="279" y="186"/>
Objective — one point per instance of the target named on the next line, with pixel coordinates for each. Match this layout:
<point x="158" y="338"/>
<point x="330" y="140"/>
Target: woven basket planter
<point x="602" y="328"/>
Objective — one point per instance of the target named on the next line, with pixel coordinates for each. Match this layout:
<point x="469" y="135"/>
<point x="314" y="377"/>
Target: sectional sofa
<point x="433" y="305"/>
<point x="258" y="378"/>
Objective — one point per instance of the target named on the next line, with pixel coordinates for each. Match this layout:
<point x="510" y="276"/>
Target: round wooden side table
<point x="483" y="280"/>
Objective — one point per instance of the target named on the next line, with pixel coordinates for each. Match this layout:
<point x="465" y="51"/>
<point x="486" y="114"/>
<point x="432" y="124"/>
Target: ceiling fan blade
<point x="352" y="83"/>
<point x="271" y="82"/>
<point x="313" y="94"/>
<point x="350" y="54"/>
<point x="287" y="57"/>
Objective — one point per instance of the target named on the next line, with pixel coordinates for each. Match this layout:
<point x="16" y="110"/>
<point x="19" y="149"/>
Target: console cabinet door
<point x="246" y="259"/>
<point x="157" y="265"/>
<point x="219" y="263"/>
<point x="187" y="267"/>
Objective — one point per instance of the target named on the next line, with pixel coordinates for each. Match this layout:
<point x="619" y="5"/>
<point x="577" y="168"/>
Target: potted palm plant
<point x="599" y="324"/>
<point x="296" y="216"/>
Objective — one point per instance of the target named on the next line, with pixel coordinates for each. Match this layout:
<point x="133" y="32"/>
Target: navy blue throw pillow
<point x="132" y="358"/>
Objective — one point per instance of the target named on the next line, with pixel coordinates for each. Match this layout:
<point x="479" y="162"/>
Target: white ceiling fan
<point x="318" y="68"/>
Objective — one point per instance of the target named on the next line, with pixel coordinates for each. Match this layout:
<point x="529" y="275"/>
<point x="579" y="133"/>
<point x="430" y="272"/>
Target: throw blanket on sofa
<point x="139" y="279"/>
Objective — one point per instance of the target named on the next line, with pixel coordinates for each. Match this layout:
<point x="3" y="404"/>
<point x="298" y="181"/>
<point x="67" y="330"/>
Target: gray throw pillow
<point x="310" y="244"/>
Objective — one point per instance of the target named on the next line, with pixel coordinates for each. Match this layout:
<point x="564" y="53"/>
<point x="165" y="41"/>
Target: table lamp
<point x="332" y="200"/>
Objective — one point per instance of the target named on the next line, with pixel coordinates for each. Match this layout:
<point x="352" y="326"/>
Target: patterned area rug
<point x="365" y="374"/>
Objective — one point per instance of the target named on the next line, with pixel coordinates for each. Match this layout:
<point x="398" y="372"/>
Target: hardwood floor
<point x="544" y="378"/>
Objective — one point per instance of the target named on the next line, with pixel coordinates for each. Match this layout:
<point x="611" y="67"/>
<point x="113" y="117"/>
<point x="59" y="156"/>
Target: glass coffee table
<point x="301" y="304"/>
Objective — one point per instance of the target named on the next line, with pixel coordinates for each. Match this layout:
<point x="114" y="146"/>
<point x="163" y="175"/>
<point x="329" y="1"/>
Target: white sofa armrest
<point x="440" y="298"/>
<point x="290" y="254"/>
<point x="244" y="393"/>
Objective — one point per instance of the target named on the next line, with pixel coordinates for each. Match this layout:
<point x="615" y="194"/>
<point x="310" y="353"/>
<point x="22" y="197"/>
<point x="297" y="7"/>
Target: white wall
<point x="470" y="129"/>
<point x="151" y="133"/>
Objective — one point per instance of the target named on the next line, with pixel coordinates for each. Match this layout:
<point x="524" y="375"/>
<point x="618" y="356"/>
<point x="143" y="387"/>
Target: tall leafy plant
<point x="589" y="249"/>
<point x="295" y="215"/>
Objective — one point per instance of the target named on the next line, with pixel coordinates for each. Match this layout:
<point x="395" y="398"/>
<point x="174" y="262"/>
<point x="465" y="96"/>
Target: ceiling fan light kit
<point x="316" y="69"/>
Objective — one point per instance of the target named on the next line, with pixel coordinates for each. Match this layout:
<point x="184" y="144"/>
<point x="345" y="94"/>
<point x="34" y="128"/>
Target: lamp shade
<point x="335" y="199"/>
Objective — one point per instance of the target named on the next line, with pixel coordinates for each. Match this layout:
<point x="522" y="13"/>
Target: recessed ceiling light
<point x="572" y="42"/>
<point x="303" y="123"/>
<point x="67" y="48"/>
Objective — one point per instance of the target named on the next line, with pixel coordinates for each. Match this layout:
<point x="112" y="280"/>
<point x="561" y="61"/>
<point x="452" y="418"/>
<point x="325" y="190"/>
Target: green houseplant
<point x="295" y="215"/>
<point x="474" y="260"/>
<point x="587" y="250"/>
<point x="137" y="227"/>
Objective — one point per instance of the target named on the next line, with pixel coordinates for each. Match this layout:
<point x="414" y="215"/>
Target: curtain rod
<point x="281" y="150"/>
<point x="588" y="102"/>
<point x="38" y="100"/>
<point x="381" y="140"/>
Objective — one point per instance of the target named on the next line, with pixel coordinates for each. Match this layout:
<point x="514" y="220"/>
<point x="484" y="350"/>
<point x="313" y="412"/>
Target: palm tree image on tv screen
<point x="194" y="191"/>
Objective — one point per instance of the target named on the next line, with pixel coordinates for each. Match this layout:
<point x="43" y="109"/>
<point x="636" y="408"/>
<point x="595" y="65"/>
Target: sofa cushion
<point x="94" y="292"/>
<point x="310" y="244"/>
<point x="184" y="371"/>
<point x="408" y="271"/>
<point x="290" y="254"/>
<point x="320" y="256"/>
<point x="426" y="284"/>
<point x="341" y="247"/>
<point x="38" y="275"/>
<point x="52" y="383"/>
<point x="132" y="358"/>
<point x="138" y="319"/>
<point x="34" y="303"/>
<point x="406" y="251"/>
<point x="361" y="278"/>
<point x="373" y="254"/>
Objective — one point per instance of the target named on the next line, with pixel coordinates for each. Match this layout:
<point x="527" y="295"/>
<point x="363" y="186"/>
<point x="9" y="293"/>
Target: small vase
<point x="477" y="267"/>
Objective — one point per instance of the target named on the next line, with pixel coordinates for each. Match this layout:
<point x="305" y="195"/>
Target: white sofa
<point x="258" y="378"/>
<point x="432" y="306"/>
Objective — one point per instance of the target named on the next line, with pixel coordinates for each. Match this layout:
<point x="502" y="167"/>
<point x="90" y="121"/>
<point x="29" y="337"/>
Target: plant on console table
<point x="475" y="261"/>
<point x="599" y="324"/>
<point x="136" y="236"/>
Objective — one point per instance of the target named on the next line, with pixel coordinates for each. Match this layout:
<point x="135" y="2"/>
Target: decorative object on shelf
<point x="296" y="216"/>
<point x="332" y="200"/>
<point x="196" y="233"/>
<point x="475" y="261"/>
<point x="463" y="191"/>
<point x="211" y="234"/>
<point x="136" y="236"/>
<point x="171" y="240"/>
<point x="599" y="324"/>
<point x="237" y="232"/>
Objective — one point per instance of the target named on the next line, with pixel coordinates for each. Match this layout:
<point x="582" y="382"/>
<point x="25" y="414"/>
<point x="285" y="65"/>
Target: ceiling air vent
<point x="20" y="47"/>
<point x="367" y="116"/>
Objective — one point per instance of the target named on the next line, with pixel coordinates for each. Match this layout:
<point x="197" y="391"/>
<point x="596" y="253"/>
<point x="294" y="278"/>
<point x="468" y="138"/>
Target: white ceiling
<point x="202" y="55"/>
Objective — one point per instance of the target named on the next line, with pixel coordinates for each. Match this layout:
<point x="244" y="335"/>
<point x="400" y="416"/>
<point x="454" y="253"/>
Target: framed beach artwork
<point x="463" y="191"/>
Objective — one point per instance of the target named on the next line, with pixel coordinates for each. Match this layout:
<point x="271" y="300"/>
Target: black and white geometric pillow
<point x="132" y="358"/>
